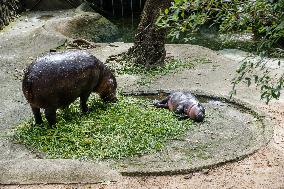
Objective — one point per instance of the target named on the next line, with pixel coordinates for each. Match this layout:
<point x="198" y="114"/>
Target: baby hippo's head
<point x="196" y="112"/>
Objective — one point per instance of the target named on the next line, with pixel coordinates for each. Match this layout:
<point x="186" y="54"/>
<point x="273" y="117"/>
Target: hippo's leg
<point x="180" y="112"/>
<point x="37" y="115"/>
<point x="181" y="117"/>
<point x="83" y="102"/>
<point x="50" y="114"/>
<point x="163" y="103"/>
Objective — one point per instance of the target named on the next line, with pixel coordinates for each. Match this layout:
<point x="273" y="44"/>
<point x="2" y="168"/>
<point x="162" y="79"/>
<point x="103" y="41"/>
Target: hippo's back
<point x="180" y="98"/>
<point x="61" y="63"/>
<point x="57" y="79"/>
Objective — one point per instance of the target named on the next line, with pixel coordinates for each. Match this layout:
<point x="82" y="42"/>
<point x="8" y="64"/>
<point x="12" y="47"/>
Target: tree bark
<point x="149" y="41"/>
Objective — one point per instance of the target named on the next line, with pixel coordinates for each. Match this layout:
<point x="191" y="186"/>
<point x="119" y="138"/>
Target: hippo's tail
<point x="27" y="88"/>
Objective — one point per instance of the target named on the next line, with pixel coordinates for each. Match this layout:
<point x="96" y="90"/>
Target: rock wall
<point x="8" y="10"/>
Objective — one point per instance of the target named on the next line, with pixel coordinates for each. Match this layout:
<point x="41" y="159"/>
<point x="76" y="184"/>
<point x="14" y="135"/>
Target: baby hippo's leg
<point x="37" y="115"/>
<point x="83" y="102"/>
<point x="179" y="112"/>
<point x="50" y="114"/>
<point x="163" y="103"/>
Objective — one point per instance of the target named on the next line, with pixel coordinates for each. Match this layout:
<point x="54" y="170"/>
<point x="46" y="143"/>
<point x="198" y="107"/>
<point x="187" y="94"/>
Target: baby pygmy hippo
<point x="183" y="103"/>
<point x="57" y="79"/>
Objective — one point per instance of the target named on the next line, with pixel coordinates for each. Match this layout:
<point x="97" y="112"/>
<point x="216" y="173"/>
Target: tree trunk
<point x="149" y="41"/>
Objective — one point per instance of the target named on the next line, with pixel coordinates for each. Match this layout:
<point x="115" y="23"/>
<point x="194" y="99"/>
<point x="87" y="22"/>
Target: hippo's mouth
<point x="109" y="98"/>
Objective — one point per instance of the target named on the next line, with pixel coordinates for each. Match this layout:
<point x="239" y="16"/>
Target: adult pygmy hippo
<point x="183" y="103"/>
<point x="55" y="80"/>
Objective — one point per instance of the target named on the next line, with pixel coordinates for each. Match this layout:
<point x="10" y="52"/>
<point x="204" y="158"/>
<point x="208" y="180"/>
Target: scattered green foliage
<point x="254" y="71"/>
<point x="132" y="126"/>
<point x="148" y="75"/>
<point x="263" y="18"/>
<point x="171" y="65"/>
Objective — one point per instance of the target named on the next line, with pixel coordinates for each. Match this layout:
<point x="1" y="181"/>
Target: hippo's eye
<point x="110" y="81"/>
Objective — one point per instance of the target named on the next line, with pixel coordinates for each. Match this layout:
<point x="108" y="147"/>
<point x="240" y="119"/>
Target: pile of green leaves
<point x="130" y="127"/>
<point x="263" y="18"/>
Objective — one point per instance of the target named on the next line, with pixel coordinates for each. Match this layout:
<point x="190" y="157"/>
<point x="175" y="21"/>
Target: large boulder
<point x="90" y="26"/>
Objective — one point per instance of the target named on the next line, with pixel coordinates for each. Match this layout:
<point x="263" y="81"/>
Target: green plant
<point x="255" y="71"/>
<point x="148" y="75"/>
<point x="132" y="126"/>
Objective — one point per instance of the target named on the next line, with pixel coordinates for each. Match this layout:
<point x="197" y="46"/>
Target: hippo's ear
<point x="112" y="71"/>
<point x="112" y="83"/>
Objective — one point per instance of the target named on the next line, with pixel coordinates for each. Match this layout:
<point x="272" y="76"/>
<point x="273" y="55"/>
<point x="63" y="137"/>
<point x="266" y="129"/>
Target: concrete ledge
<point x="42" y="171"/>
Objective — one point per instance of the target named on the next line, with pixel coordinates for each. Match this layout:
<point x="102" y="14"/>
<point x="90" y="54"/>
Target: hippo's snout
<point x="109" y="97"/>
<point x="114" y="99"/>
<point x="200" y="117"/>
